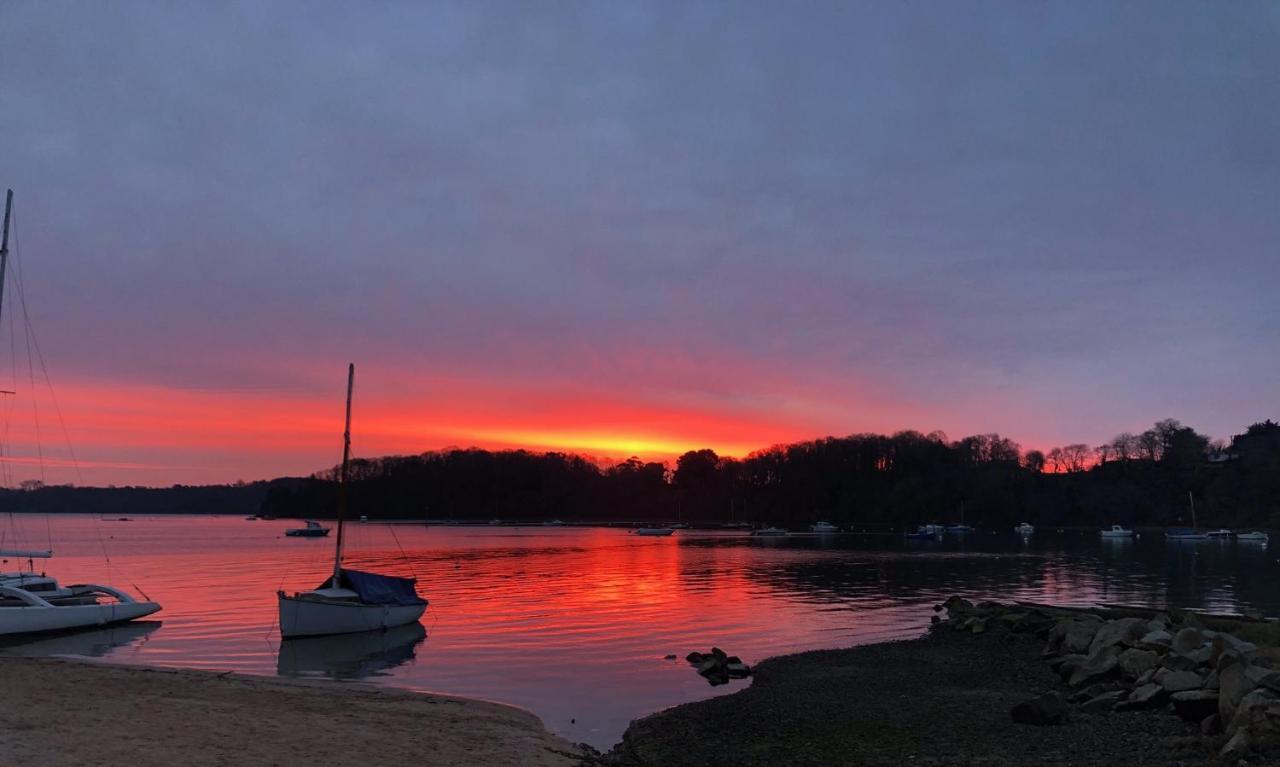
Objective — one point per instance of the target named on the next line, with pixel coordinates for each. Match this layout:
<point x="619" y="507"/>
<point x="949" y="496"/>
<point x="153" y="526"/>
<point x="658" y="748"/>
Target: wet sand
<point x="62" y="712"/>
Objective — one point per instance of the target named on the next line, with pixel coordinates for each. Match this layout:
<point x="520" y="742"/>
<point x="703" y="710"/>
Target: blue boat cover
<point x="377" y="589"/>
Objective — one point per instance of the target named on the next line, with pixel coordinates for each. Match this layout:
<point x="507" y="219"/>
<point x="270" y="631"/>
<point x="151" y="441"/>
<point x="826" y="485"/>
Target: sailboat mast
<point x="1192" y="499"/>
<point x="342" y="480"/>
<point x="4" y="242"/>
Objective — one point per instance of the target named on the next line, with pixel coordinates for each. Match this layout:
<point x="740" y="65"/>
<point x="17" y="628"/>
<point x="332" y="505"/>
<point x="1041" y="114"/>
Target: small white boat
<point x="1025" y="528"/>
<point x="310" y="530"/>
<point x="553" y="523"/>
<point x="1221" y="533"/>
<point x="654" y="531"/>
<point x="251" y="518"/>
<point x="350" y="600"/>
<point x="824" y="527"/>
<point x="1117" y="531"/>
<point x="495" y="522"/>
<point x="363" y="519"/>
<point x="31" y="603"/>
<point x="1187" y="533"/>
<point x="767" y="532"/>
<point x="1255" y="537"/>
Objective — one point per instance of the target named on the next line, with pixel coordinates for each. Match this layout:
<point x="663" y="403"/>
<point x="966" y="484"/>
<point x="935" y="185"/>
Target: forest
<point x="867" y="481"/>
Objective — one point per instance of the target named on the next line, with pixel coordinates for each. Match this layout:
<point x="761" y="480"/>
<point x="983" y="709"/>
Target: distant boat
<point x="495" y="522"/>
<point x="1187" y="533"/>
<point x="251" y="518"/>
<point x="768" y="532"/>
<point x="351" y="600"/>
<point x="961" y="529"/>
<point x="312" y="530"/>
<point x="1221" y="532"/>
<point x="1024" y="528"/>
<point x="1117" y="531"/>
<point x="553" y="523"/>
<point x="1254" y="537"/>
<point x="678" y="526"/>
<point x="924" y="533"/>
<point x="363" y="519"/>
<point x="824" y="527"/>
<point x="654" y="531"/>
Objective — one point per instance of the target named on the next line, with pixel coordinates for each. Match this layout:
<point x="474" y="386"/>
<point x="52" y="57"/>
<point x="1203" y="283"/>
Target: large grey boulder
<point x="1146" y="696"/>
<point x="1046" y="709"/>
<point x="1232" y="687"/>
<point x="1134" y="662"/>
<point x="1180" y="681"/>
<point x="1253" y="714"/>
<point x="1124" y="631"/>
<point x="1097" y="666"/>
<point x="1158" y="640"/>
<point x="1188" y="640"/>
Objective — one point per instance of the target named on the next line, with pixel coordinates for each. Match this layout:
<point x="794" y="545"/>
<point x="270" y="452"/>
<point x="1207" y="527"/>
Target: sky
<point x="629" y="228"/>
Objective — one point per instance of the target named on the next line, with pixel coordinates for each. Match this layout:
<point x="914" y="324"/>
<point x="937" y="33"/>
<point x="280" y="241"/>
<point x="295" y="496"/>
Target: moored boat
<point x="1117" y="531"/>
<point x="769" y="532"/>
<point x="1221" y="533"/>
<point x="31" y="602"/>
<point x="350" y="600"/>
<point x="824" y="527"/>
<point x="309" y="530"/>
<point x="654" y="531"/>
<point x="1024" y="528"/>
<point x="1254" y="537"/>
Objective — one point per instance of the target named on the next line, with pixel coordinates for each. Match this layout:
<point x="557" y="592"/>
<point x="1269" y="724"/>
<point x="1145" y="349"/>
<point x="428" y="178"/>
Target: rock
<point x="1211" y="725"/>
<point x="1055" y="662"/>
<point x="1156" y="641"/>
<point x="1134" y="662"/>
<point x="1160" y="622"/>
<point x="1099" y="664"/>
<point x="1146" y="678"/>
<point x="1188" y="640"/>
<point x="720" y="654"/>
<point x="1124" y="631"/>
<point x="1094" y="690"/>
<point x="1179" y="662"/>
<point x="1211" y="681"/>
<point x="740" y="670"/>
<point x="1105" y="702"/>
<point x="1227" y="642"/>
<point x="1046" y="709"/>
<point x="1237" y="747"/>
<point x="1232" y="687"/>
<point x="1260" y="676"/>
<point x="1252" y="713"/>
<point x="1079" y="637"/>
<point x="1195" y="705"/>
<point x="672" y="656"/>
<point x="1147" y="696"/>
<point x="1068" y="667"/>
<point x="1181" y="681"/>
<point x="708" y="666"/>
<point x="694" y="657"/>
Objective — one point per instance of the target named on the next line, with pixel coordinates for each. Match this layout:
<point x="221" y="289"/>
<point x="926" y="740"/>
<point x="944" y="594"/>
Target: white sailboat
<point x="350" y="600"/>
<point x="32" y="602"/>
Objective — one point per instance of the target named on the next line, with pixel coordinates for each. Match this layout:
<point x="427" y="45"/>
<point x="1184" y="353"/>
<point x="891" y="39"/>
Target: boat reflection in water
<point x="350" y="656"/>
<point x="91" y="643"/>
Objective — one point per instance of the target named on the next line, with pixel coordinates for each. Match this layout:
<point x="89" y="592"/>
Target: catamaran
<point x="349" y="600"/>
<point x="32" y="602"/>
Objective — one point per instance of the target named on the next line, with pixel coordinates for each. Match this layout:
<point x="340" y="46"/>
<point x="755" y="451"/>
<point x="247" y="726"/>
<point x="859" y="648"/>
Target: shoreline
<point x="943" y="699"/>
<point x="73" y="712"/>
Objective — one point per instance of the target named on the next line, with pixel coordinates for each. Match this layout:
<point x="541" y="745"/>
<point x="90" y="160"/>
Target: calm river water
<point x="573" y="623"/>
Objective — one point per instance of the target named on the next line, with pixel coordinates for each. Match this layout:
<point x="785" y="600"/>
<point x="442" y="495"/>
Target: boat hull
<point x="32" y="619"/>
<point x="306" y="617"/>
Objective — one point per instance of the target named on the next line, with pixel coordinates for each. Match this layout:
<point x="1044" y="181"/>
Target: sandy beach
<point x="62" y="712"/>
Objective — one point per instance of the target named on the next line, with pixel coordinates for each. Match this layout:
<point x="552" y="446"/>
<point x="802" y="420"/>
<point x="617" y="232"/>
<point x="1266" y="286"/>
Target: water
<point x="574" y="623"/>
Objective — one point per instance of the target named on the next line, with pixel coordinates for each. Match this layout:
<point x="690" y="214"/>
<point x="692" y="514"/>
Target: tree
<point x="1034" y="461"/>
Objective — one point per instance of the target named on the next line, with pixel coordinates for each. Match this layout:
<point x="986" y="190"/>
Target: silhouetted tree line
<point x="866" y="480"/>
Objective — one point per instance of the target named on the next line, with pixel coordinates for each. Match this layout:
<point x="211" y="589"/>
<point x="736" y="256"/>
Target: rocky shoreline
<point x="996" y="684"/>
